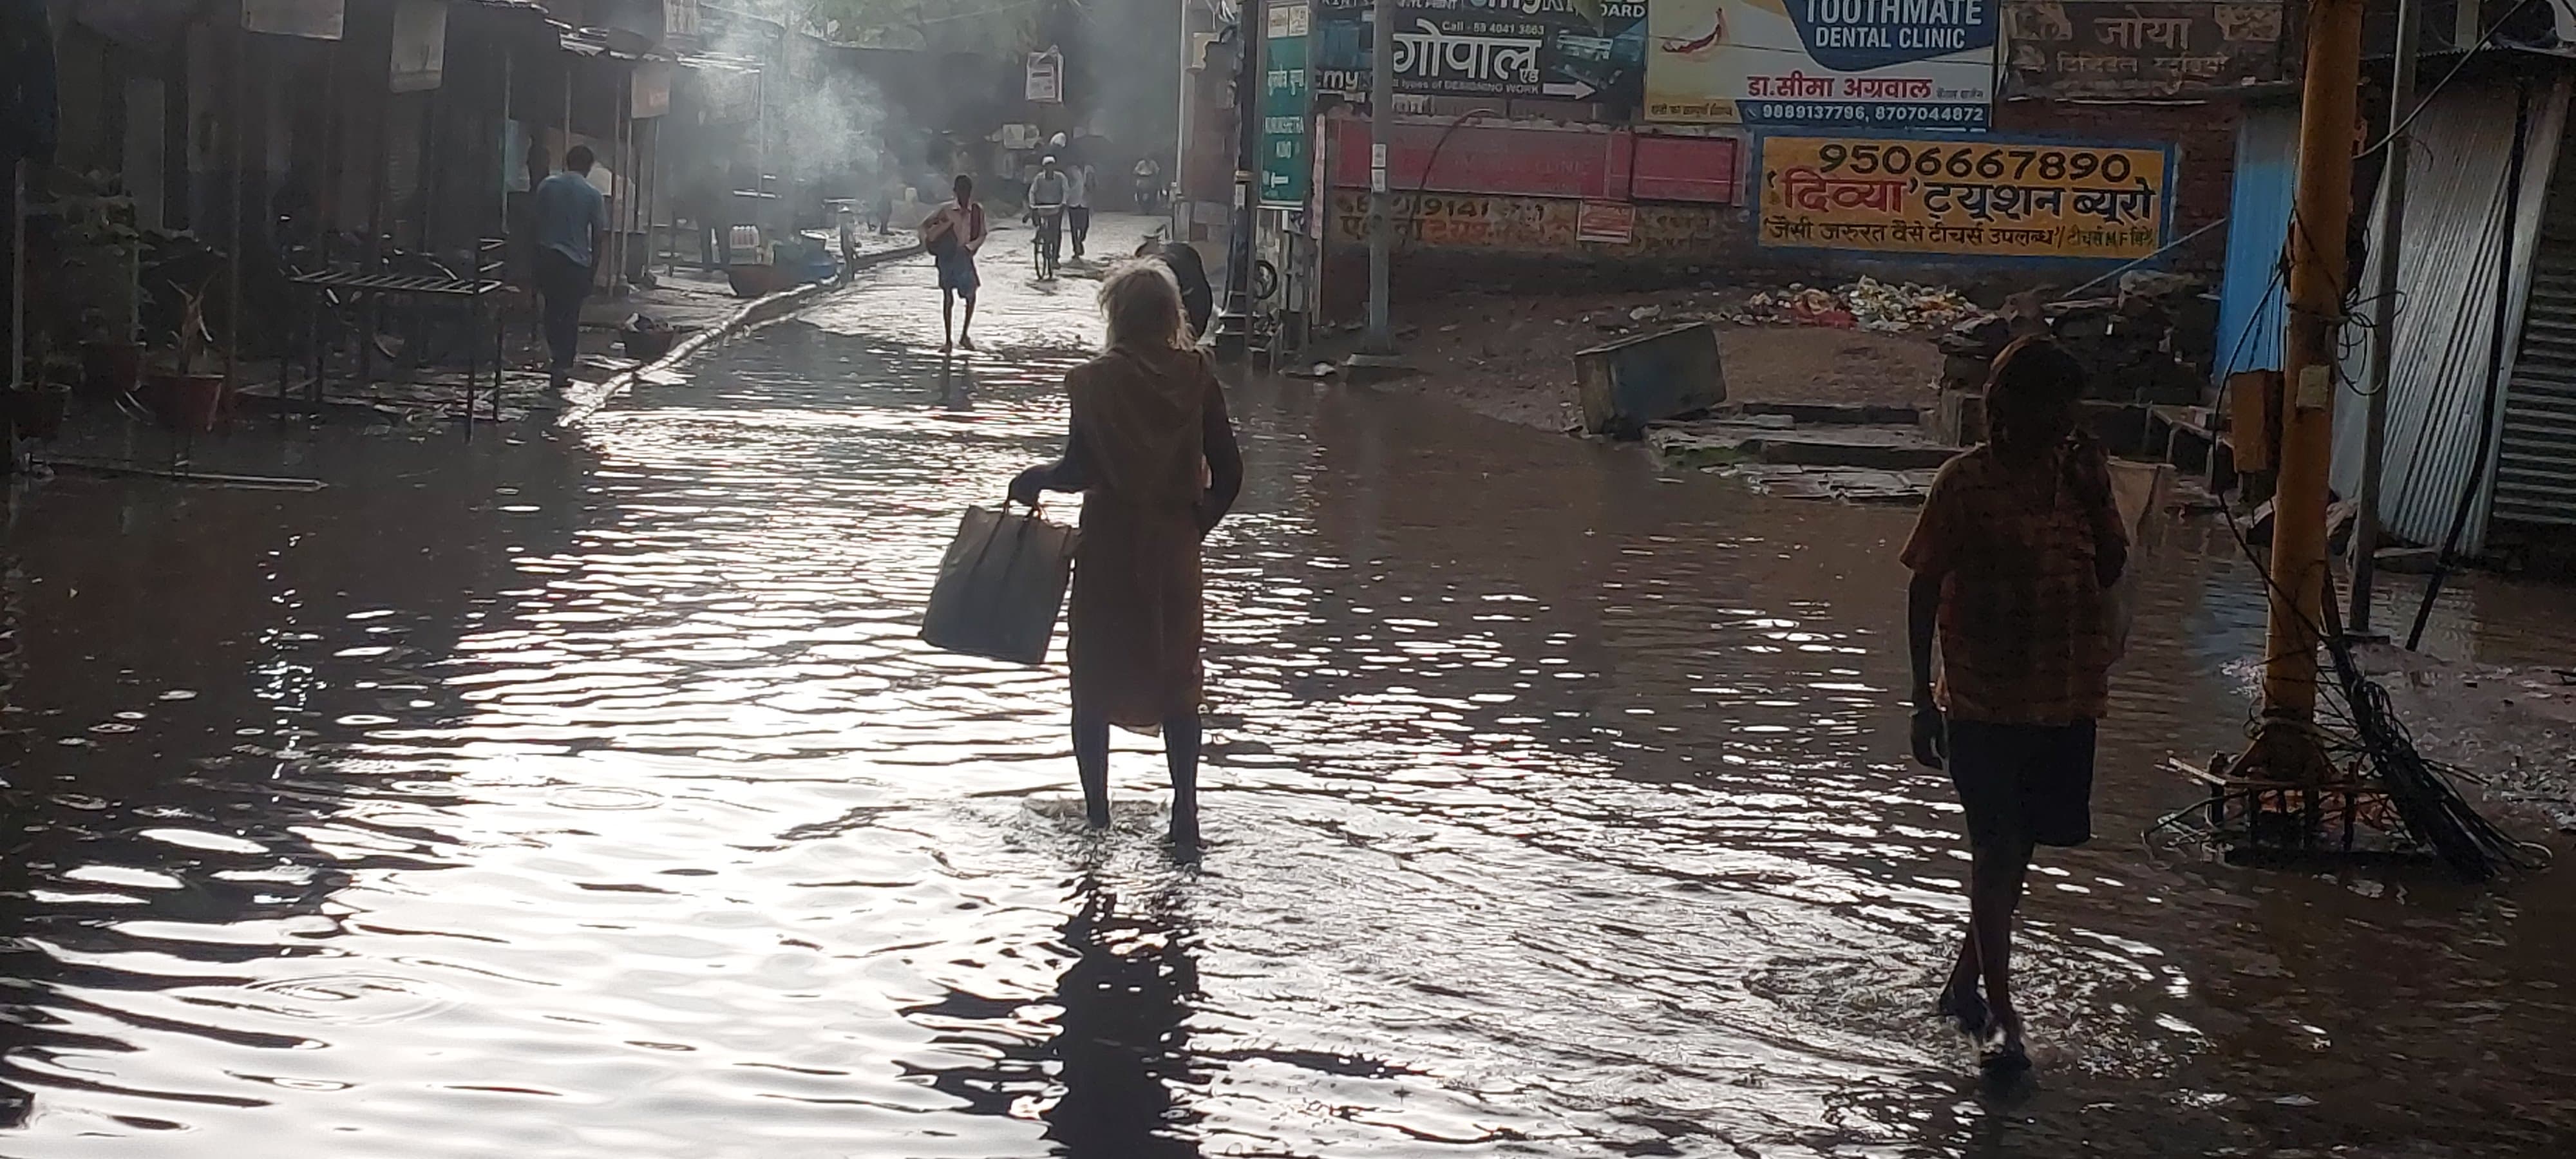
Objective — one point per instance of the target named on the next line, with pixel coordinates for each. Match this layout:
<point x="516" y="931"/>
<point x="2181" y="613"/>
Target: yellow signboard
<point x="1982" y="198"/>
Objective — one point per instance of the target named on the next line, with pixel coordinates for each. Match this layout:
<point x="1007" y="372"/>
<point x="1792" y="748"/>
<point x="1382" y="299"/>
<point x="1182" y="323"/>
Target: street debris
<point x="1843" y="484"/>
<point x="2141" y="349"/>
<point x="1867" y="304"/>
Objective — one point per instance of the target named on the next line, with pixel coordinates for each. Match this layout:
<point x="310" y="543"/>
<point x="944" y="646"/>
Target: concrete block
<point x="1966" y="371"/>
<point x="1909" y="453"/>
<point x="2122" y="426"/>
<point x="1628" y="384"/>
<point x="1682" y="449"/>
<point x="1718" y="443"/>
<point x="1827" y="414"/>
<point x="1961" y="419"/>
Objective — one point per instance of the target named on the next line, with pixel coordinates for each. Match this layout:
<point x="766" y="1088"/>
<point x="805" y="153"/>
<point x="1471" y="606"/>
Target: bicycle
<point x="1047" y="251"/>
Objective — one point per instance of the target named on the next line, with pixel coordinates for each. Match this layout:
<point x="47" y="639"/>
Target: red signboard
<point x="1686" y="169"/>
<point x="1526" y="162"/>
<point x="1542" y="161"/>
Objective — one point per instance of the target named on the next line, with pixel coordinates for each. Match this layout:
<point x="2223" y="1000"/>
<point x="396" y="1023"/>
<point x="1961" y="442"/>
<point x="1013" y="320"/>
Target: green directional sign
<point x="1287" y="139"/>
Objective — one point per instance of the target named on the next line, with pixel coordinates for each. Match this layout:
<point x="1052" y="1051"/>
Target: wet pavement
<point x="585" y="793"/>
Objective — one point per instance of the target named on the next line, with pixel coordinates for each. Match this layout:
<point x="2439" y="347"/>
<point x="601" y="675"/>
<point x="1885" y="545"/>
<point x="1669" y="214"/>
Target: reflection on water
<point x="571" y="798"/>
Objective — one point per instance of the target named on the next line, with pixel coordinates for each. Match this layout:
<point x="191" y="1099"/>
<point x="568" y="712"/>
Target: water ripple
<point x="608" y="803"/>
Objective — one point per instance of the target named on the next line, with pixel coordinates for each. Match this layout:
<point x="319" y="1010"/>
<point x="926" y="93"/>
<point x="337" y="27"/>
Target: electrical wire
<point x="2421" y="789"/>
<point x="2427" y="99"/>
<point x="2427" y="804"/>
<point x="1422" y="183"/>
<point x="2135" y="262"/>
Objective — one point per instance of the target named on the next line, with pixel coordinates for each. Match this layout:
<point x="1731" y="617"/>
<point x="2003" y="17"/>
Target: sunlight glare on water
<point x="591" y="794"/>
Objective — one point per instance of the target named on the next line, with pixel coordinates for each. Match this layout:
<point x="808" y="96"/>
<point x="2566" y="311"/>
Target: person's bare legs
<point x="1181" y="735"/>
<point x="1961" y="1001"/>
<point x="1091" y="761"/>
<point x="1994" y="892"/>
<point x="947" y="315"/>
<point x="964" y="337"/>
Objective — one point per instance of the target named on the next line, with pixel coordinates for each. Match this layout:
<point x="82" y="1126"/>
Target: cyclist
<point x="1048" y="193"/>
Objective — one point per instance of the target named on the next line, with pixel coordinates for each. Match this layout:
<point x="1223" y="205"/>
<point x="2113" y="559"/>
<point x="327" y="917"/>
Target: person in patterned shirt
<point x="2014" y="557"/>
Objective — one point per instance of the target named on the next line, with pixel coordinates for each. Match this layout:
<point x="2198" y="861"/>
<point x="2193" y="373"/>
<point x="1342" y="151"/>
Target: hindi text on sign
<point x="1978" y="199"/>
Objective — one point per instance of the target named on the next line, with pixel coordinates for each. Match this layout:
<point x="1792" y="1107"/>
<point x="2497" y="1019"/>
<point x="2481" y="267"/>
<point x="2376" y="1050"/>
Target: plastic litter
<point x="1867" y="304"/>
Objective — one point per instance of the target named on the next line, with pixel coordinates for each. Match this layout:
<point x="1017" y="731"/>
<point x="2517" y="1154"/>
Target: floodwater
<point x="586" y="793"/>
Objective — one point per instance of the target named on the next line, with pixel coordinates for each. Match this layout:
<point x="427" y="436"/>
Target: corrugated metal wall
<point x="2535" y="478"/>
<point x="2446" y="282"/>
<point x="2258" y="218"/>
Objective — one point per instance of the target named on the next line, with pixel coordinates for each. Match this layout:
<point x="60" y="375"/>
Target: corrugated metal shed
<point x="2258" y="218"/>
<point x="2451" y="245"/>
<point x="2535" y="477"/>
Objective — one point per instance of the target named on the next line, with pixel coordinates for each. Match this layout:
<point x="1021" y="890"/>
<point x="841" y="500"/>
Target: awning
<point x="150" y="25"/>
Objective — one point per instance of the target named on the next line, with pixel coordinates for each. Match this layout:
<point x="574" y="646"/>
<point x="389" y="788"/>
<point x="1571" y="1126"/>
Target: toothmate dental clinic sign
<point x="1917" y="64"/>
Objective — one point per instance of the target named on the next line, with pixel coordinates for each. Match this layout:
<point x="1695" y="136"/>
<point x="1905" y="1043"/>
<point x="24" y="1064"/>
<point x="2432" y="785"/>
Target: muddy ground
<point x="1510" y="356"/>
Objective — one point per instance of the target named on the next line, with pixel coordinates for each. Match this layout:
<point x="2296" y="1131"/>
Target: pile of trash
<point x="1868" y="304"/>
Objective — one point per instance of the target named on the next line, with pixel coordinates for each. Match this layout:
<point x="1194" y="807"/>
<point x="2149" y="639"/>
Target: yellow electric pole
<point x="2285" y="746"/>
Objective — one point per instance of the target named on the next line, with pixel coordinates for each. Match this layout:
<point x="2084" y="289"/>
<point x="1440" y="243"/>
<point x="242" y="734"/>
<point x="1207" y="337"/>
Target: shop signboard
<point x="1045" y="82"/>
<point x="313" y="19"/>
<point x="649" y="92"/>
<point x="1526" y="160"/>
<point x="2126" y="49"/>
<point x="679" y="18"/>
<point x="1537" y="49"/>
<point x="1975" y="197"/>
<point x="1287" y="150"/>
<point x="1606" y="222"/>
<point x="1888" y="64"/>
<point x="728" y="94"/>
<point x="419" y="46"/>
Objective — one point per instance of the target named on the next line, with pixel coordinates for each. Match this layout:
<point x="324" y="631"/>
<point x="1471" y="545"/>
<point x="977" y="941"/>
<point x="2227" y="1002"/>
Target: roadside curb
<point x="587" y="401"/>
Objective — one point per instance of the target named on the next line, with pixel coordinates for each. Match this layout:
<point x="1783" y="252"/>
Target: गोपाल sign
<point x="1974" y="198"/>
<point x="1548" y="49"/>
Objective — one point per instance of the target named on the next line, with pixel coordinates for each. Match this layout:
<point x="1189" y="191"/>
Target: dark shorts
<point x="2024" y="782"/>
<point x="957" y="272"/>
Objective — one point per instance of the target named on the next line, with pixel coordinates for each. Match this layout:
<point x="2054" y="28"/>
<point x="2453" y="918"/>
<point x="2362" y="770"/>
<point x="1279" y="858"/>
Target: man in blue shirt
<point x="571" y="217"/>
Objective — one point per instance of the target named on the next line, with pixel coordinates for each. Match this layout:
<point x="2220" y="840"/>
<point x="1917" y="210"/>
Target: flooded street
<point x="587" y="793"/>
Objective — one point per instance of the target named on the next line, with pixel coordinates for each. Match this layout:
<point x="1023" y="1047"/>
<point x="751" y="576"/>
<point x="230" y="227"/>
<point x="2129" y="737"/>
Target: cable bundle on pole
<point x="2435" y="813"/>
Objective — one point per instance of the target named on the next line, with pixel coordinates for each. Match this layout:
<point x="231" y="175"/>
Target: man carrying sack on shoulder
<point x="952" y="234"/>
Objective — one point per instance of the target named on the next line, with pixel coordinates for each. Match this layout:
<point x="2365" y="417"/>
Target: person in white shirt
<point x="1077" y="204"/>
<point x="1049" y="193"/>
